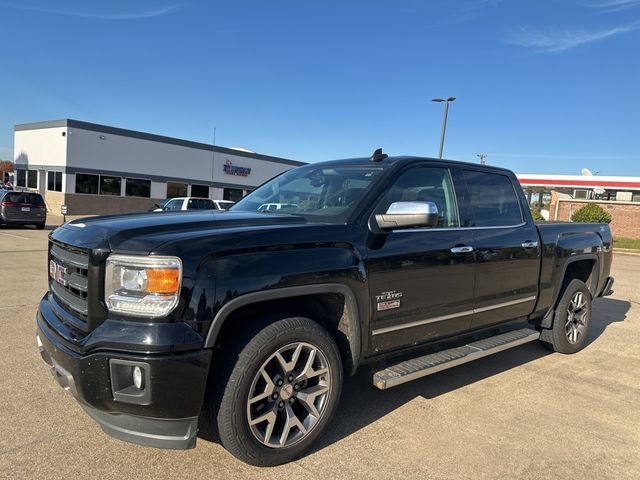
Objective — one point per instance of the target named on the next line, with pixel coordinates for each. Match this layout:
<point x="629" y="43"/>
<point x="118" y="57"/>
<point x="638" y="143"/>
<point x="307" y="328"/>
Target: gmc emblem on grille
<point x="57" y="272"/>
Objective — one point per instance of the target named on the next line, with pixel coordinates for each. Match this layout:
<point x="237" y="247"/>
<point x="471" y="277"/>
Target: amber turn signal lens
<point x="162" y="280"/>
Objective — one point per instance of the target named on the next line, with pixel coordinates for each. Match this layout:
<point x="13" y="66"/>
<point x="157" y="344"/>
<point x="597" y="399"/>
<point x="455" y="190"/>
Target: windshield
<point x="325" y="194"/>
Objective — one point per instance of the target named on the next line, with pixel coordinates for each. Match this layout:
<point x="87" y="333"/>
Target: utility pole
<point x="444" y="120"/>
<point x="482" y="157"/>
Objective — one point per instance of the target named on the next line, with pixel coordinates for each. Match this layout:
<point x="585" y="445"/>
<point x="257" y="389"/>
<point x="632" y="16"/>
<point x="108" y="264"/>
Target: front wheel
<point x="571" y="321"/>
<point x="281" y="392"/>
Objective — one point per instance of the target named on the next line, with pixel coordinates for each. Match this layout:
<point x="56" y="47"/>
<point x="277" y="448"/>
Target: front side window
<point x="138" y="187"/>
<point x="425" y="184"/>
<point x="110" y="185"/>
<point x="327" y="194"/>
<point x="172" y="205"/>
<point x="493" y="199"/>
<point x="86" y="183"/>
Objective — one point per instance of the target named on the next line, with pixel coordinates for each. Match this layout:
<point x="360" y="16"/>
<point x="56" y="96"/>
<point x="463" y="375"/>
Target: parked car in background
<point x="272" y="207"/>
<point x="22" y="208"/>
<point x="192" y="203"/>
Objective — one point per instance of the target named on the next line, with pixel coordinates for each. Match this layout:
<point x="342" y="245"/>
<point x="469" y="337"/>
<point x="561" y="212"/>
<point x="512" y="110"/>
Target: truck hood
<point x="143" y="232"/>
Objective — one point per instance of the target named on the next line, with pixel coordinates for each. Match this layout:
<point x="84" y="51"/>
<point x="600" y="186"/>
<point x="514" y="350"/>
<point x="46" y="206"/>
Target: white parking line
<point x="14" y="236"/>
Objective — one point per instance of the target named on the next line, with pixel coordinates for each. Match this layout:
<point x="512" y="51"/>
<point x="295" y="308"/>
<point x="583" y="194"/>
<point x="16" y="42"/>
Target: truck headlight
<point x="142" y="286"/>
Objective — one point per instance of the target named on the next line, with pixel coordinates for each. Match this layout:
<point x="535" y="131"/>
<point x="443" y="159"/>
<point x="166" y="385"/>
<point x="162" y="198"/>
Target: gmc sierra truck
<point x="244" y="322"/>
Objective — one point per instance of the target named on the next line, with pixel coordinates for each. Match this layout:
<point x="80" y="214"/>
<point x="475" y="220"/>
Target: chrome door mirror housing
<point x="408" y="215"/>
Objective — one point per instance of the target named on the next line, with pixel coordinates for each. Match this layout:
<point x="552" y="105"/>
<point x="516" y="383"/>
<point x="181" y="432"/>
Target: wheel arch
<point x="348" y="323"/>
<point x="576" y="267"/>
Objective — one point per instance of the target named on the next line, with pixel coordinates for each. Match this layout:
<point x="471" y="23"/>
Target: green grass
<point x="621" y="242"/>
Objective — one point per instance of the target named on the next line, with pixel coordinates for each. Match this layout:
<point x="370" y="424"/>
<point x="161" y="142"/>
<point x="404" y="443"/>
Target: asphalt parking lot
<point x="523" y="413"/>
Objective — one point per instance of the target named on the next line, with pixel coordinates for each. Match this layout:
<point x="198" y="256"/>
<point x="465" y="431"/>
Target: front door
<point x="419" y="288"/>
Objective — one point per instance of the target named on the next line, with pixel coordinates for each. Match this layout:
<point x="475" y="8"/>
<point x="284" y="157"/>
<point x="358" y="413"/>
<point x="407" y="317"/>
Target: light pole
<point x="444" y="119"/>
<point x="482" y="157"/>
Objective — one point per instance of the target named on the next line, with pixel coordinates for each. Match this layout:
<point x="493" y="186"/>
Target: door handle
<point x="529" y="244"/>
<point x="465" y="249"/>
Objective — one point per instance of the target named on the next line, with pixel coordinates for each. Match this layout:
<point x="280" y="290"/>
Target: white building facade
<point x="97" y="169"/>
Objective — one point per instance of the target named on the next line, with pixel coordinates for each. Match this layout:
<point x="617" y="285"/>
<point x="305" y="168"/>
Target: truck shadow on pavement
<point x="362" y="404"/>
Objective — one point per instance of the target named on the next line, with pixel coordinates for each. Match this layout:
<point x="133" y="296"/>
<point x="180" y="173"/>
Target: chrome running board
<point x="426" y="365"/>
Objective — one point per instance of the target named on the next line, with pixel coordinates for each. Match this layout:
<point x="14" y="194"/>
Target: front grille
<point x="72" y="293"/>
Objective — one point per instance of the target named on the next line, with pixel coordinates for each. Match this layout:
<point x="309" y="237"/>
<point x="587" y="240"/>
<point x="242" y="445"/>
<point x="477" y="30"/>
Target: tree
<point x="6" y="166"/>
<point x="591" y="213"/>
<point x="537" y="216"/>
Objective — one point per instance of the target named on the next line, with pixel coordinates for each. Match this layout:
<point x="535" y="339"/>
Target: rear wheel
<point x="280" y="391"/>
<point x="571" y="321"/>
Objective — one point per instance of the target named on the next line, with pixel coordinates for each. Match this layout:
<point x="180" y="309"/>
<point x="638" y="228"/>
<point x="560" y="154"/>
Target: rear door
<point x="506" y="247"/>
<point x="419" y="288"/>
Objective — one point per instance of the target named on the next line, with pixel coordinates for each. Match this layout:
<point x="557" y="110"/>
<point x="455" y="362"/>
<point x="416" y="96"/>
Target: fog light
<point x="137" y="377"/>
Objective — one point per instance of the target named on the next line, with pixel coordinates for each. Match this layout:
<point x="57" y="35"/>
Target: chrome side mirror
<point x="407" y="215"/>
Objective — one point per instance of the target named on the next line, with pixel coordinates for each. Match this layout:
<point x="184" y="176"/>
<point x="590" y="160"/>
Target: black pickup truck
<point x="243" y="323"/>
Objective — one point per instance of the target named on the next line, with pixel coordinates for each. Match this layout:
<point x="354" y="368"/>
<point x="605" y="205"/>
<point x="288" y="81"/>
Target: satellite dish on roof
<point x="586" y="172"/>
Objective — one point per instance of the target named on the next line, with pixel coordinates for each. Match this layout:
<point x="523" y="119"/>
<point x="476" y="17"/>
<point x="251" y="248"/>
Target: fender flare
<point x="349" y="324"/>
<point x="547" y="320"/>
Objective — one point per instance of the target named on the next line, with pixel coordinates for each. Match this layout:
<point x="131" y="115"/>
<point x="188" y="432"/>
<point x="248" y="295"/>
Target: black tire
<point x="562" y="336"/>
<point x="40" y="226"/>
<point x="236" y="380"/>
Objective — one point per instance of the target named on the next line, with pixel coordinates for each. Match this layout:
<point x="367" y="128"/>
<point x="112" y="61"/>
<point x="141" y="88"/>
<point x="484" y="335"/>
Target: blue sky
<point x="542" y="86"/>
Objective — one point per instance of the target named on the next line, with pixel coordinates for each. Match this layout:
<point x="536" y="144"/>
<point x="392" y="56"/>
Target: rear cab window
<point x="493" y="200"/>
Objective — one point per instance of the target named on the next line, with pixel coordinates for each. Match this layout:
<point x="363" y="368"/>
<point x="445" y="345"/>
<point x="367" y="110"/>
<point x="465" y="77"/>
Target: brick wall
<point x="625" y="215"/>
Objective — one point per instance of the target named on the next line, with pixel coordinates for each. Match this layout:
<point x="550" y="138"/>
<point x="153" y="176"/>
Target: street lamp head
<point x="451" y="99"/>
<point x="438" y="100"/>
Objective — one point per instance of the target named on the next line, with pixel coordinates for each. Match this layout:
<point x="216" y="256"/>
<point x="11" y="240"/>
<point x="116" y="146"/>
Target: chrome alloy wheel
<point x="288" y="395"/>
<point x="577" y="318"/>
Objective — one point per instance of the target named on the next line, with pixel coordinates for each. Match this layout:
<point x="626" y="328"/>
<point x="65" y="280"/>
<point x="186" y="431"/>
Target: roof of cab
<point x="403" y="159"/>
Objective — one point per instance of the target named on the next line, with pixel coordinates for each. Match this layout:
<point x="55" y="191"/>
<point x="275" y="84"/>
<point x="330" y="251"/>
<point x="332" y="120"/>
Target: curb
<point x="627" y="251"/>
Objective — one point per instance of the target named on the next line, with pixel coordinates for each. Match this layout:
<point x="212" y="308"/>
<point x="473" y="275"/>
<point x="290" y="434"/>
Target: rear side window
<point x="195" y="203"/>
<point x="493" y="200"/>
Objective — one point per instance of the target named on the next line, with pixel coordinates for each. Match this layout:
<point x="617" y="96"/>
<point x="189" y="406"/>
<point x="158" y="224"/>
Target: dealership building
<point x="97" y="169"/>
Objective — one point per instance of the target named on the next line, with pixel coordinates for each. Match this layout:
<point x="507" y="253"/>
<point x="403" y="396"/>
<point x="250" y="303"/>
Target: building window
<point x="110" y="185"/>
<point x="86" y="183"/>
<point x="233" y="194"/>
<point x="200" y="191"/>
<point x="138" y="187"/>
<point x="176" y="189"/>
<point x="54" y="181"/>
<point x="32" y="178"/>
<point x="21" y="178"/>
